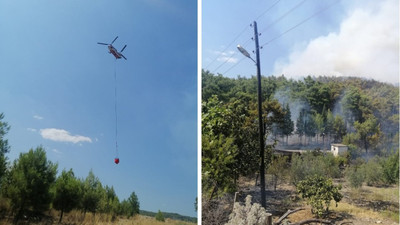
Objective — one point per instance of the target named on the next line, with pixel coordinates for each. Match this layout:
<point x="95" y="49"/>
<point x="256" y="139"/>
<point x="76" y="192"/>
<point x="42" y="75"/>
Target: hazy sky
<point x="57" y="90"/>
<point x="349" y="38"/>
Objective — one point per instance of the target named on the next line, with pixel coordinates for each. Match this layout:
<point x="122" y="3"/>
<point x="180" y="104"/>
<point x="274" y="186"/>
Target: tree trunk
<point x="213" y="192"/>
<point x="61" y="216"/>
<point x="256" y="179"/>
<point x="20" y="212"/>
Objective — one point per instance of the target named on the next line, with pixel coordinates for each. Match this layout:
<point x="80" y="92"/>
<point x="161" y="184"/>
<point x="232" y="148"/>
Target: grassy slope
<point x="174" y="216"/>
<point x="76" y="217"/>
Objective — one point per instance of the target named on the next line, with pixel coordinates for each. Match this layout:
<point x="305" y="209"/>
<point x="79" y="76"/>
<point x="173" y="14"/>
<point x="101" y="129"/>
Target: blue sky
<point x="349" y="38"/>
<point x="57" y="90"/>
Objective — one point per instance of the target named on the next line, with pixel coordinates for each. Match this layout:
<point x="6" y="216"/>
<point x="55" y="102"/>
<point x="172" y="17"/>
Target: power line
<point x="269" y="26"/>
<point x="283" y="16"/>
<point x="227" y="60"/>
<point x="297" y="25"/>
<point x="230" y="57"/>
<point x="234" y="40"/>
<point x="267" y="10"/>
<point x="234" y="65"/>
<point x="221" y="53"/>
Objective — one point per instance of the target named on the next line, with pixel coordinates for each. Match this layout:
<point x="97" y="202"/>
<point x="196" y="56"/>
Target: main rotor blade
<point x="114" y="40"/>
<point x="123" y="56"/>
<point x="123" y="48"/>
<point x="101" y="43"/>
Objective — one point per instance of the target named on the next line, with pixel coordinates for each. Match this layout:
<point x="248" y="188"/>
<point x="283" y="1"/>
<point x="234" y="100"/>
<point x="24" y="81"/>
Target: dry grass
<point x="145" y="220"/>
<point x="361" y="212"/>
<point x="344" y="207"/>
<point x="104" y="219"/>
<point x="390" y="194"/>
<point x="76" y="218"/>
<point x="348" y="209"/>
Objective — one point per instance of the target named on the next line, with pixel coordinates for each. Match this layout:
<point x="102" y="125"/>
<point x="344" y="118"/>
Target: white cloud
<point x="367" y="45"/>
<point x="37" y="117"/>
<point x="62" y="136"/>
<point x="226" y="56"/>
<point x="56" y="151"/>
<point x="31" y="129"/>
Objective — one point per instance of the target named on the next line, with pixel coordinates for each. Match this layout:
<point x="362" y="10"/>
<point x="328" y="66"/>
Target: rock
<point x="378" y="222"/>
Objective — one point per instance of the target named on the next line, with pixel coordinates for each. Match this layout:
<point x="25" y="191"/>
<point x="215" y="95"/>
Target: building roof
<point x="339" y="145"/>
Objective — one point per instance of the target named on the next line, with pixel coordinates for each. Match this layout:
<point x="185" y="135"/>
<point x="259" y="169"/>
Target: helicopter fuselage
<point x="114" y="51"/>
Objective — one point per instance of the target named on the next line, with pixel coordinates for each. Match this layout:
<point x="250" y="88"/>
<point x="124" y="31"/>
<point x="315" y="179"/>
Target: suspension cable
<point x="115" y="107"/>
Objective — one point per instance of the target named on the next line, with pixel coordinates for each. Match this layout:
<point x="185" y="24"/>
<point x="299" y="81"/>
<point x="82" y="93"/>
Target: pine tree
<point x="160" y="216"/>
<point x="67" y="194"/>
<point x="134" y="203"/>
<point x="4" y="147"/>
<point x="301" y="124"/>
<point x="29" y="182"/>
<point x="92" y="193"/>
<point x="287" y="127"/>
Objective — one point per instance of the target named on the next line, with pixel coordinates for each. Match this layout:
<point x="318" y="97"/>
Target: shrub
<point x="318" y="191"/>
<point x="310" y="164"/>
<point x="354" y="176"/>
<point x="373" y="172"/>
<point x="248" y="214"/>
<point x="390" y="169"/>
<point x="214" y="211"/>
<point x="278" y="168"/>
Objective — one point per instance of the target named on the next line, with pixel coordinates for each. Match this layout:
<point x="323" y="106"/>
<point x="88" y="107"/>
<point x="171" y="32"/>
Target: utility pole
<point x="261" y="128"/>
<point x="262" y="164"/>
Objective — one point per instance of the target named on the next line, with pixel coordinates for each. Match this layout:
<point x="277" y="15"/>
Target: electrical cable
<point x="221" y="53"/>
<point x="298" y="24"/>
<point x="234" y="65"/>
<point x="280" y="35"/>
<point x="283" y="16"/>
<point x="262" y="14"/>
<point x="232" y="42"/>
<point x="230" y="57"/>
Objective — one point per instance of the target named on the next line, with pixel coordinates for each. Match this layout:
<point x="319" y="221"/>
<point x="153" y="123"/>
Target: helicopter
<point x="114" y="51"/>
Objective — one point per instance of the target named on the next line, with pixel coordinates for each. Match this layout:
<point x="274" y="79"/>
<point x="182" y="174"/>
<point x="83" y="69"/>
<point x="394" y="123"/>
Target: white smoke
<point x="367" y="45"/>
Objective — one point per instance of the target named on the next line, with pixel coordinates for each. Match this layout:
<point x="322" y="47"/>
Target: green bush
<point x="310" y="164"/>
<point x="354" y="176"/>
<point x="373" y="172"/>
<point x="377" y="171"/>
<point x="318" y="191"/>
<point x="390" y="169"/>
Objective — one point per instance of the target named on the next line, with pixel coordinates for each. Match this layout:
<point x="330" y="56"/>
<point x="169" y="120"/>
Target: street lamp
<point x="261" y="127"/>
<point x="245" y="53"/>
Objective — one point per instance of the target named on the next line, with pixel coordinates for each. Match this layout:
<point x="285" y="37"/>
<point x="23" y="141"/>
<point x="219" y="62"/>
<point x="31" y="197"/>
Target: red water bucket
<point x="116" y="160"/>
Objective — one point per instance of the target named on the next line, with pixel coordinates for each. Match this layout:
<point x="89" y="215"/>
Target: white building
<point x="338" y="149"/>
